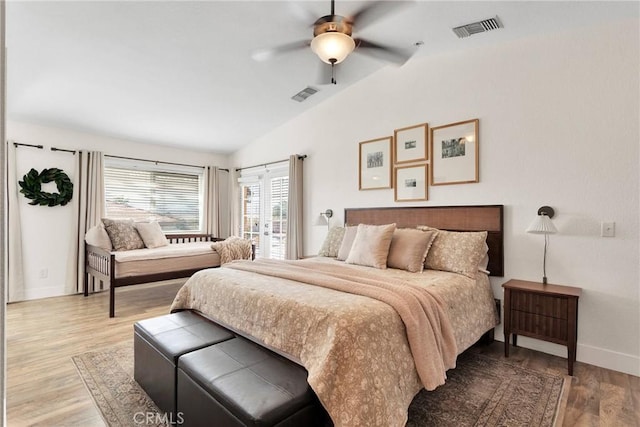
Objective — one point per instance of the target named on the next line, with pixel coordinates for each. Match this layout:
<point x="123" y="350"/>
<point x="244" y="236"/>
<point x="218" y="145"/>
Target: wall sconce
<point x="323" y="218"/>
<point x="543" y="225"/>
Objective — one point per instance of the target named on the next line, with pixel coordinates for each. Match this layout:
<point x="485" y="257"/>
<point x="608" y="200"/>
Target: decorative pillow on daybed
<point x="371" y="245"/>
<point x="232" y="248"/>
<point x="458" y="252"/>
<point x="409" y="249"/>
<point x="332" y="242"/>
<point x="151" y="234"/>
<point x="97" y="236"/>
<point x="123" y="234"/>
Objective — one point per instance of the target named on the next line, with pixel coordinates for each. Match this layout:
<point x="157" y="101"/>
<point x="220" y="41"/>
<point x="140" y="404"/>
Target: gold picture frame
<point x="410" y="144"/>
<point x="454" y="152"/>
<point x="375" y="164"/>
<point x="412" y="183"/>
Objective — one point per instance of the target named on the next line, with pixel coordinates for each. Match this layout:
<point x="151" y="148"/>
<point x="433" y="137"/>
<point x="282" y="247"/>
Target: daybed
<point x="369" y="338"/>
<point x="175" y="256"/>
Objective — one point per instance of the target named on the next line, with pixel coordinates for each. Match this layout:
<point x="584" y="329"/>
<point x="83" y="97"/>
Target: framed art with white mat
<point x="410" y="144"/>
<point x="375" y="164"/>
<point x="411" y="183"/>
<point x="454" y="153"/>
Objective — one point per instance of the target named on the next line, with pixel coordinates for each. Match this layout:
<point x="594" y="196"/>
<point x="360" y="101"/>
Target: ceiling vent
<point x="478" y="27"/>
<point x="304" y="94"/>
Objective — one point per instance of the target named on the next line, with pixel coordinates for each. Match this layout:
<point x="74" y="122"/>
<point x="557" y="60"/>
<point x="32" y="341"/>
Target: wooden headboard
<point x="453" y="218"/>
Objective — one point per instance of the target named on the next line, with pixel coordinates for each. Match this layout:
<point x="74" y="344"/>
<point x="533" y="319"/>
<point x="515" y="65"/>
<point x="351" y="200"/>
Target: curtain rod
<point x="301" y="157"/>
<point x="16" y="144"/>
<point x="64" y="150"/>
<point x="153" y="161"/>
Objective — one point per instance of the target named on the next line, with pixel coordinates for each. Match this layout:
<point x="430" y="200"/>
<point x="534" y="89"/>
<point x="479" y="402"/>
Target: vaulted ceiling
<point x="181" y="73"/>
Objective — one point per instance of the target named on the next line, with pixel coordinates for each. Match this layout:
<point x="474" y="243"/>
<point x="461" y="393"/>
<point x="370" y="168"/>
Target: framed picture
<point x="454" y="153"/>
<point x="410" y="144"/>
<point x="375" y="164"/>
<point x="411" y="183"/>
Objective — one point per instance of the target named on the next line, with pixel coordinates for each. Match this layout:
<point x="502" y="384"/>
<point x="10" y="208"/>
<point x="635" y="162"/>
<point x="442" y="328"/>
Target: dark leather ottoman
<point x="158" y="343"/>
<point x="238" y="383"/>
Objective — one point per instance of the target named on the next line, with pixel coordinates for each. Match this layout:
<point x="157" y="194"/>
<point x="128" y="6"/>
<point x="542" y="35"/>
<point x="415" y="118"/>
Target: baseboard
<point x="602" y="357"/>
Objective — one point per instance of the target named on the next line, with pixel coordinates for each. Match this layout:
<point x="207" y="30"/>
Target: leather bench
<point x="238" y="383"/>
<point x="159" y="342"/>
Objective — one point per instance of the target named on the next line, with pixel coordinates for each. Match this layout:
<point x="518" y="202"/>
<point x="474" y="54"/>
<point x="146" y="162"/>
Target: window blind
<point x="142" y="193"/>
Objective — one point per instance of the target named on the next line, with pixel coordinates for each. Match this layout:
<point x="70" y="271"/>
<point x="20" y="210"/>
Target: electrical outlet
<point x="44" y="273"/>
<point x="608" y="229"/>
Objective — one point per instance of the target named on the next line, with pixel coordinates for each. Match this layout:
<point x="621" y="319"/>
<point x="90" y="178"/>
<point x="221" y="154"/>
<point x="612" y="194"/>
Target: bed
<point x="366" y="357"/>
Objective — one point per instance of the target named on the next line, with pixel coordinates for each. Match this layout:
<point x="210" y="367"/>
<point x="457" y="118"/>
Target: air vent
<point x="478" y="27"/>
<point x="304" y="94"/>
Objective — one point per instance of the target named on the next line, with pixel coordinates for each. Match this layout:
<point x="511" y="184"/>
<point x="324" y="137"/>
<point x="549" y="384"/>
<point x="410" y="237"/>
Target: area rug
<point x="481" y="391"/>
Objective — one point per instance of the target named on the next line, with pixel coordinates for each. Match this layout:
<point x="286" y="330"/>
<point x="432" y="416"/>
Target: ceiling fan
<point x="333" y="42"/>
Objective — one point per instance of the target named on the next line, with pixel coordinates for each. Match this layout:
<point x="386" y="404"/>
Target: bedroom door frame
<point x="262" y="230"/>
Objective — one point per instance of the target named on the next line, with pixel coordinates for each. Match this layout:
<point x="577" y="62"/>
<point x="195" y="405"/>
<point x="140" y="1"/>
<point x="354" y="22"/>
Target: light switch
<point x="608" y="229"/>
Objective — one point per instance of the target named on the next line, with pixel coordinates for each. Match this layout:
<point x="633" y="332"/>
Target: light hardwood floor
<point x="44" y="389"/>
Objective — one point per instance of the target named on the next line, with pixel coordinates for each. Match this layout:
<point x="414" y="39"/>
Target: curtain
<point x="14" y="274"/>
<point x="90" y="208"/>
<point x="234" y="203"/>
<point x="211" y="202"/>
<point x="295" y="247"/>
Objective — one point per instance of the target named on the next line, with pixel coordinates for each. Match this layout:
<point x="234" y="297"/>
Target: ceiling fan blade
<point x="269" y="53"/>
<point x="386" y="53"/>
<point x="374" y="10"/>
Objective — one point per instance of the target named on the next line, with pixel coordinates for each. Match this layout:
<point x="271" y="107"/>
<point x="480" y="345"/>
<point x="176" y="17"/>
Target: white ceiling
<point x="180" y="73"/>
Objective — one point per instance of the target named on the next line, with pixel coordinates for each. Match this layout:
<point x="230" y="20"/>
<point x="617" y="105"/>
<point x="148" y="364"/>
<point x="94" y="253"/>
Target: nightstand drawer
<point x="549" y="327"/>
<point x="544" y="305"/>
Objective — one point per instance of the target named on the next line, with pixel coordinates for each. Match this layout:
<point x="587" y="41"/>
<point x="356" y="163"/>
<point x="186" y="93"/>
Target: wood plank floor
<point x="44" y="389"/>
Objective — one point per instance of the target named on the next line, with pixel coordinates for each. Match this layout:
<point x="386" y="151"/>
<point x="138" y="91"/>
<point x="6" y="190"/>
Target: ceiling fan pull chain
<point x="333" y="79"/>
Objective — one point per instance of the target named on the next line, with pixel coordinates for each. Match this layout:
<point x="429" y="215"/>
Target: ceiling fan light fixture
<point x="332" y="47"/>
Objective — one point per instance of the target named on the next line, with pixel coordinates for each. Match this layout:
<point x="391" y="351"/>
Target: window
<point x="143" y="191"/>
<point x="263" y="208"/>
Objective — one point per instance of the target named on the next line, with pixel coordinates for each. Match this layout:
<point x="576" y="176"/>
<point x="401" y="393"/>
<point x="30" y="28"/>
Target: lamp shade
<point x="542" y="225"/>
<point x="332" y="47"/>
<point x="321" y="220"/>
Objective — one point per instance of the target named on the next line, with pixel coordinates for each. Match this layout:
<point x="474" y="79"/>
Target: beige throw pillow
<point x="371" y="245"/>
<point x="332" y="242"/>
<point x="123" y="234"/>
<point x="409" y="249"/>
<point x="97" y="236"/>
<point x="458" y="252"/>
<point x="151" y="233"/>
<point x="347" y="242"/>
<point x="233" y="248"/>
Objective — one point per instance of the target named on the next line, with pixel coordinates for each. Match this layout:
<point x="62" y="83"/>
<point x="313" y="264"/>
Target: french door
<point x="263" y="207"/>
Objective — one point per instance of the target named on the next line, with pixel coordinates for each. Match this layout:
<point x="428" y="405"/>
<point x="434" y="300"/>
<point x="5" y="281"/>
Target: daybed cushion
<point x="332" y="242"/>
<point x="371" y="245"/>
<point x="174" y="257"/>
<point x="123" y="234"/>
<point x="409" y="249"/>
<point x="97" y="236"/>
<point x="151" y="233"/>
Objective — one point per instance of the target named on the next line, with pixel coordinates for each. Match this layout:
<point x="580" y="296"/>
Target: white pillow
<point x="347" y="242"/>
<point x="97" y="236"/>
<point x="151" y="233"/>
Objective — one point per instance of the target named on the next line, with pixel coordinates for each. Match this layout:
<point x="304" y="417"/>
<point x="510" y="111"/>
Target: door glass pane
<point x="278" y="208"/>
<point x="251" y="202"/>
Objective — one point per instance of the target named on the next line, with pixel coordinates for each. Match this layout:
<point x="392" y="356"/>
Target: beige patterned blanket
<point x="357" y="349"/>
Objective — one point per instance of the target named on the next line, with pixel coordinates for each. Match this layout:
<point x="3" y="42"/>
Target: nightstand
<point x="545" y="312"/>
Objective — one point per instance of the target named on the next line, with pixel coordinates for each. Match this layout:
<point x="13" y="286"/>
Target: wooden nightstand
<point x="546" y="312"/>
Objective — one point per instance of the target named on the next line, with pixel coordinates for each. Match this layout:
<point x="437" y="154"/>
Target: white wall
<point x="559" y="126"/>
<point x="45" y="230"/>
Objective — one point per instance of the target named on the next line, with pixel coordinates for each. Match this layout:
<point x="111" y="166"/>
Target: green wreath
<point x="31" y="185"/>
